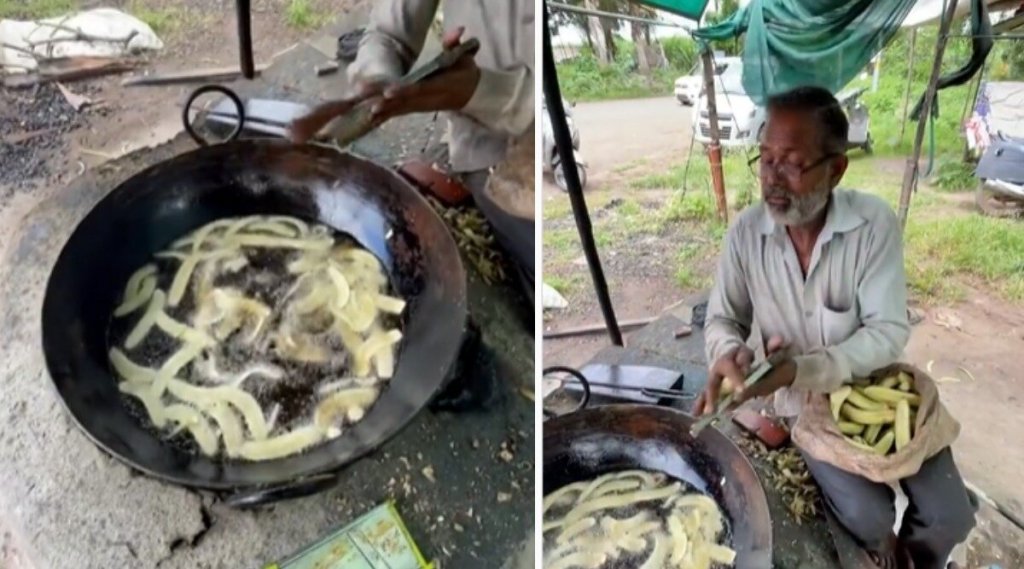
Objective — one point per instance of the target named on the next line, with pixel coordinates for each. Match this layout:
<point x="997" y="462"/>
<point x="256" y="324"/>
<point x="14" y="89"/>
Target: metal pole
<point x="906" y="91"/>
<point x="910" y="170"/>
<point x="587" y="12"/>
<point x="244" y="17"/>
<point x="714" y="149"/>
<point x="563" y="141"/>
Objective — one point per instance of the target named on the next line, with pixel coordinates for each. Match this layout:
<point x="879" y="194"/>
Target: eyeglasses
<point x="786" y="169"/>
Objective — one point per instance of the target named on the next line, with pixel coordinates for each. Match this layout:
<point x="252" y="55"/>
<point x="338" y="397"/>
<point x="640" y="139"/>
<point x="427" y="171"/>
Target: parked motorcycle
<point x="857" y="114"/>
<point x="552" y="161"/>
<point x="1000" y="173"/>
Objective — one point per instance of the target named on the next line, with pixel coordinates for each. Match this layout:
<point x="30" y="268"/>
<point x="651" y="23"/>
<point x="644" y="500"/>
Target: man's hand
<point x="304" y="128"/>
<point x="731" y="371"/>
<point x="449" y="90"/>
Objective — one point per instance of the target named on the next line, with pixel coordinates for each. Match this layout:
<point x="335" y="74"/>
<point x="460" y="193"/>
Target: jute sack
<point x="817" y="434"/>
<point x="511" y="184"/>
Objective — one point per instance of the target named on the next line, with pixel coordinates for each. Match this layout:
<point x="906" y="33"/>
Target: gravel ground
<point x="33" y="123"/>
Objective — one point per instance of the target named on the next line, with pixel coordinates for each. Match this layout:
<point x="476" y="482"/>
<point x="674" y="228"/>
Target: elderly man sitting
<point x="820" y="271"/>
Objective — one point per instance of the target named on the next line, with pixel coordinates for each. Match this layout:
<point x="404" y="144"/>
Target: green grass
<point x="565" y="285"/>
<point x="954" y="176"/>
<point x="557" y="207"/>
<point x="163" y="21"/>
<point x="561" y="246"/>
<point x="983" y="248"/>
<point x="688" y="260"/>
<point x="582" y="78"/>
<point x="303" y="15"/>
<point x="35" y="9"/>
<point x="944" y="252"/>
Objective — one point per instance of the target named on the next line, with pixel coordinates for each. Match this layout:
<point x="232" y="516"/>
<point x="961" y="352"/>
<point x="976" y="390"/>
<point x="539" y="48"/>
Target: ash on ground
<point x="33" y="123"/>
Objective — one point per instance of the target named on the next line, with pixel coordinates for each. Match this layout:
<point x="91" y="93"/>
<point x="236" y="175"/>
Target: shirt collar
<point x="840" y="218"/>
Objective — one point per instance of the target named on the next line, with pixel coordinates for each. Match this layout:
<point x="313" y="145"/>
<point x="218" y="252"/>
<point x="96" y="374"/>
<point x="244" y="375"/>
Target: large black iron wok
<point x="586" y="444"/>
<point x="158" y="205"/>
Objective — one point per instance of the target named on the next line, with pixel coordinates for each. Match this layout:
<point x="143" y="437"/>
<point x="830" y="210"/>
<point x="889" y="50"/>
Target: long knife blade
<point x="724" y="404"/>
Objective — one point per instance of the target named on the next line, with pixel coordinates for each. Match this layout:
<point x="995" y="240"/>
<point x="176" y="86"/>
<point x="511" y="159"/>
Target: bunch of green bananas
<point x="877" y="415"/>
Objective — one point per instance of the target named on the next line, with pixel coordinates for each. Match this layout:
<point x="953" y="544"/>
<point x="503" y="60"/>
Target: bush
<point x="681" y="53"/>
<point x="582" y="78"/>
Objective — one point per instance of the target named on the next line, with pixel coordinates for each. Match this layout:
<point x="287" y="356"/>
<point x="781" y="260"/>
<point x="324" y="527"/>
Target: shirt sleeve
<point x="393" y="39"/>
<point x="884" y="330"/>
<point x="729" y="314"/>
<point x="503" y="100"/>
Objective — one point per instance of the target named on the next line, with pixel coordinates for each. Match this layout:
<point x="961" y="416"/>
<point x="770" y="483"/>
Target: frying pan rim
<point x="615" y="408"/>
<point x="459" y="315"/>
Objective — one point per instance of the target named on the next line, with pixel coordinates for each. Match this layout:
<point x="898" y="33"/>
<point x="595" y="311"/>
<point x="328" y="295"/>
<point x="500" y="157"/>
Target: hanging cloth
<point x="790" y="43"/>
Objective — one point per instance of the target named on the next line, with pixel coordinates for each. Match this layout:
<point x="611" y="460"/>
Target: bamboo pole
<point x="715" y="148"/>
<point x="906" y="90"/>
<point x="910" y="171"/>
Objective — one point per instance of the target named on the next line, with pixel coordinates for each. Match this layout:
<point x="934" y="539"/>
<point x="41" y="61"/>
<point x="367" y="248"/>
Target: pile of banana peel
<point x="474" y="238"/>
<point x="877" y="415"/>
<point x="787" y="475"/>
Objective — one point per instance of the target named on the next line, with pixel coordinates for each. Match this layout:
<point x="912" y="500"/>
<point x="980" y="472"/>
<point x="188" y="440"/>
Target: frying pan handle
<point x="246" y="499"/>
<point x="209" y="89"/>
<point x="579" y="377"/>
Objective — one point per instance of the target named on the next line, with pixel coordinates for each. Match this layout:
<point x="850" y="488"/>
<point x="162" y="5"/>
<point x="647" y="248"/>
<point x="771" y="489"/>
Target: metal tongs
<point x="724" y="404"/>
<point x="359" y="121"/>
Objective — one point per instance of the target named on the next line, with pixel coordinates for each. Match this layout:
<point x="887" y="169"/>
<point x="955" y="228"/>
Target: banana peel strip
<point x="686" y="539"/>
<point x="290" y="443"/>
<point x="138" y="291"/>
<point x="352" y="289"/>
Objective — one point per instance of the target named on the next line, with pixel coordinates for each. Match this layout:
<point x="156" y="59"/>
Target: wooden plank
<point x="68" y="70"/>
<point x="213" y="74"/>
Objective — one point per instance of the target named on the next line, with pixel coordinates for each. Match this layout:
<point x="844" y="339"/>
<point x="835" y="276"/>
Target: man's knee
<point x="941" y="505"/>
<point x="869" y="520"/>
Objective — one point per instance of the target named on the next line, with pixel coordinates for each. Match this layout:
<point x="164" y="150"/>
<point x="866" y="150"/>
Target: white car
<point x="739" y="120"/>
<point x="689" y="87"/>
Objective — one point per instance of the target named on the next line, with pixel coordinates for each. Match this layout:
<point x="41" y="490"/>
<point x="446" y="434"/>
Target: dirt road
<point x="630" y="134"/>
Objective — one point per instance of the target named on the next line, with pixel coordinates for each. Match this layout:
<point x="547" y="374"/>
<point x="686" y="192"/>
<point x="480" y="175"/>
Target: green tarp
<point x="692" y="9"/>
<point x="808" y="42"/>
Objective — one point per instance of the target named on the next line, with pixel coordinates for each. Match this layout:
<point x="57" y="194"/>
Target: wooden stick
<point x="596" y="328"/>
<point x="715" y="148"/>
<point x="194" y="76"/>
<point x="910" y="171"/>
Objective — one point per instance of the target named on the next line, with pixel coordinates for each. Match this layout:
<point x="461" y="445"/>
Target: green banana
<point x="884" y="444"/>
<point x="860" y="398"/>
<point x="902" y="426"/>
<point x="891" y="382"/>
<point x="848" y="428"/>
<point x="865" y="417"/>
<point x="871" y="435"/>
<point x="837" y="398"/>
<point x="885" y="395"/>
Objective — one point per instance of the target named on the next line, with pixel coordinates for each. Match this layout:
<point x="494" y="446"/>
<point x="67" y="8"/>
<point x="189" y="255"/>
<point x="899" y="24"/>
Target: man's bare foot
<point x="884" y="560"/>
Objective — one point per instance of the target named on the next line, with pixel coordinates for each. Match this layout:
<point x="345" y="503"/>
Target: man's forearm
<point x="868" y="349"/>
